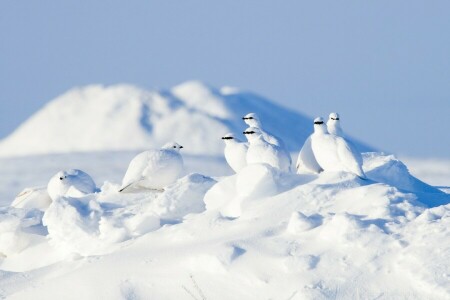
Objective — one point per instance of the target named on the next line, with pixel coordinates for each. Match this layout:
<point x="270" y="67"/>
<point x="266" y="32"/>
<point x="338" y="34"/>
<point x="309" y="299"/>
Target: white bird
<point x="261" y="151"/>
<point x="35" y="197"/>
<point x="306" y="161"/>
<point x="252" y="120"/>
<point x="154" y="169"/>
<point x="71" y="183"/>
<point x="334" y="125"/>
<point x="333" y="152"/>
<point x="235" y="152"/>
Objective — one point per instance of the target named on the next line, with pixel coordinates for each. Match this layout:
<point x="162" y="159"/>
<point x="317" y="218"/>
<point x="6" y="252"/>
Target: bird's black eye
<point x="318" y="122"/>
<point x="174" y="146"/>
<point x="60" y="178"/>
<point x="251" y="118"/>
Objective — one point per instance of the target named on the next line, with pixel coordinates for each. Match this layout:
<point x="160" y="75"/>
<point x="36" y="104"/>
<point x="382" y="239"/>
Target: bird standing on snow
<point x="306" y="161"/>
<point x="252" y="120"/>
<point x="334" y="125"/>
<point x="154" y="169"/>
<point x="71" y="183"/>
<point x="235" y="152"/>
<point x="261" y="151"/>
<point x="333" y="152"/>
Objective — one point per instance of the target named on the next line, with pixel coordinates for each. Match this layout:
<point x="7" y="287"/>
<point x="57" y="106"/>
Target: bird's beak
<point x="181" y="147"/>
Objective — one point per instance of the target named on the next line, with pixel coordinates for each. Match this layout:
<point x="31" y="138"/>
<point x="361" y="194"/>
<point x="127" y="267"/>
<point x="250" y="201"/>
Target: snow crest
<point x="292" y="236"/>
<point x="125" y="117"/>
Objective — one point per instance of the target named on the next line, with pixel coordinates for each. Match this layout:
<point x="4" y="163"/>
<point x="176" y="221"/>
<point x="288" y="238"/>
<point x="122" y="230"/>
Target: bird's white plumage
<point x="35" y="197"/>
<point x="235" y="152"/>
<point x="261" y="151"/>
<point x="70" y="183"/>
<point x="334" y="125"/>
<point x="252" y="120"/>
<point x="306" y="161"/>
<point x="333" y="153"/>
<point x="154" y="169"/>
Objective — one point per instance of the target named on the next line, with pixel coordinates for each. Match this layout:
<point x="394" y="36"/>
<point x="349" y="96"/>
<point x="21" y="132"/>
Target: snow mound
<point x="125" y="117"/>
<point x="388" y="169"/>
<point x="100" y="222"/>
<point x="257" y="234"/>
<point x="183" y="197"/>
<point x="17" y="229"/>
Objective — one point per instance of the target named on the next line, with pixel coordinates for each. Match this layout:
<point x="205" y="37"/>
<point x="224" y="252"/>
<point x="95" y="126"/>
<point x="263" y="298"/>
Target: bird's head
<point x="228" y="137"/>
<point x="173" y="146"/>
<point x="333" y="117"/>
<point x="251" y="119"/>
<point x="252" y="133"/>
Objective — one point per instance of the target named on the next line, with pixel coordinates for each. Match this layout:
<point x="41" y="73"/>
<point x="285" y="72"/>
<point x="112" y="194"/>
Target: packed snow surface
<point x="258" y="234"/>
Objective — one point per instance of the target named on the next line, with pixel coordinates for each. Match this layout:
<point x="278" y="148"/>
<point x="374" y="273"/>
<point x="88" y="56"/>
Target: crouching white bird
<point x="154" y="169"/>
<point x="306" y="161"/>
<point x="235" y="152"/>
<point x="34" y="197"/>
<point x="333" y="152"/>
<point x="261" y="151"/>
<point x="71" y="183"/>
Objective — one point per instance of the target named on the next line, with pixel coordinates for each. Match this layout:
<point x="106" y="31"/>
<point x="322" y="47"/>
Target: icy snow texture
<point x="99" y="222"/>
<point x="257" y="234"/>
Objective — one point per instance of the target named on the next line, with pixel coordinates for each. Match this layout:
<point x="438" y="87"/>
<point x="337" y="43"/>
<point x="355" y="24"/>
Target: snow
<point x="258" y="234"/>
<point x="126" y="117"/>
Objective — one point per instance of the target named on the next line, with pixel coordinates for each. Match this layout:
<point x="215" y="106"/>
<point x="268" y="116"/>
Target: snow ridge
<point x="125" y="117"/>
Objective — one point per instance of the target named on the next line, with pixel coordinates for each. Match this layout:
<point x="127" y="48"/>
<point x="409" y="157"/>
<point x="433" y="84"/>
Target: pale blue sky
<point x="384" y="65"/>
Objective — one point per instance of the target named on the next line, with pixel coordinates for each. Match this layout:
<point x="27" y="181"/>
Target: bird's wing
<point x="349" y="157"/>
<point x="306" y="158"/>
<point x="135" y="169"/>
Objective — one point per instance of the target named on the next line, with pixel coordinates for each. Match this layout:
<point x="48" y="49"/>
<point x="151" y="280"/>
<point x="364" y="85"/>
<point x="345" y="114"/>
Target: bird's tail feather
<point x="125" y="187"/>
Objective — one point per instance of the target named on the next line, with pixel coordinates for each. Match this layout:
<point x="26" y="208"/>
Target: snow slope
<point x="258" y="234"/>
<point x="124" y="117"/>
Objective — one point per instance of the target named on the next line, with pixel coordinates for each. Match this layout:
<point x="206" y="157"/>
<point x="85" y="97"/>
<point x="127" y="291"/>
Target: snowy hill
<point x="124" y="117"/>
<point x="212" y="234"/>
<point x="258" y="234"/>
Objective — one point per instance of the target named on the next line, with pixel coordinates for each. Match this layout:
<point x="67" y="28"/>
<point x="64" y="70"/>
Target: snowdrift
<point x="257" y="234"/>
<point x="124" y="117"/>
